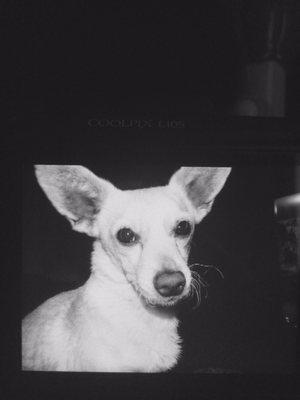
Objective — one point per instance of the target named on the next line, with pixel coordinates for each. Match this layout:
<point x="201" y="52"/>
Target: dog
<point x="123" y="318"/>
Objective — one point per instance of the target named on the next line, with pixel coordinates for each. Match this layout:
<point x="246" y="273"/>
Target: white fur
<point x="116" y="321"/>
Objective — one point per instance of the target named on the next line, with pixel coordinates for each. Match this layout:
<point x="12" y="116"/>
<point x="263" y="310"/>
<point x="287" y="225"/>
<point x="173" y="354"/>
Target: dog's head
<point x="145" y="234"/>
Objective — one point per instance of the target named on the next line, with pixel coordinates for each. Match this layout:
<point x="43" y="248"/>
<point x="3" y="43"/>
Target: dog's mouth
<point x="154" y="299"/>
<point x="165" y="302"/>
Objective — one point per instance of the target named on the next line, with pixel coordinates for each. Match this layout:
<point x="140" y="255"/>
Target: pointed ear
<point x="75" y="192"/>
<point x="200" y="185"/>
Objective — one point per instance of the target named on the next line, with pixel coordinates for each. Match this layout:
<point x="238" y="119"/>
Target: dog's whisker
<point x="198" y="278"/>
<point x="195" y="291"/>
<point x="191" y="292"/>
<point x="197" y="286"/>
<point x="198" y="295"/>
<point x="220" y="272"/>
<point x="198" y="265"/>
<point x="194" y="265"/>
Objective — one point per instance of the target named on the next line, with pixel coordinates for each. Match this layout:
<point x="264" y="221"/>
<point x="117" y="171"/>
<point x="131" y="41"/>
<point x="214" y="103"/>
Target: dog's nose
<point x="169" y="283"/>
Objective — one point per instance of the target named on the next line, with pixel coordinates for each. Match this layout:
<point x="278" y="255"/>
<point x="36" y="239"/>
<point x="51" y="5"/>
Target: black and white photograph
<point x="159" y="277"/>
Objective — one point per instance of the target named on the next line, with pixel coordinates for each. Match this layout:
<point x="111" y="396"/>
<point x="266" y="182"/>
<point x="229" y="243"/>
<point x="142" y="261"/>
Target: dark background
<point x="179" y="59"/>
<point x="239" y="327"/>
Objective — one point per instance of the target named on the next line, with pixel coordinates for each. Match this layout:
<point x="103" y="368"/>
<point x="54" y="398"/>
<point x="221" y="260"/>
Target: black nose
<point x="169" y="283"/>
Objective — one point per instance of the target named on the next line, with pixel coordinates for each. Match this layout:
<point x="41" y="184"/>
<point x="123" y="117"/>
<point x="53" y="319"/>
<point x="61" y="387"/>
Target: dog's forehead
<point x="142" y="208"/>
<point x="155" y="198"/>
<point x="149" y="200"/>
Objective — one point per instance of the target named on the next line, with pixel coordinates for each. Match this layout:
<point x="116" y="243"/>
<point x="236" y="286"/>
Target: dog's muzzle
<point x="169" y="283"/>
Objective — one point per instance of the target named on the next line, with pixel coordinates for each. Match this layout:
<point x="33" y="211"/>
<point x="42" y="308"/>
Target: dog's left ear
<point x="75" y="192"/>
<point x="200" y="185"/>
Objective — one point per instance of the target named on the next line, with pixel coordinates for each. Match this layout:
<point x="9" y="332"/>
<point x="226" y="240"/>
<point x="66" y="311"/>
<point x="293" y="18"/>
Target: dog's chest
<point x="137" y="343"/>
<point x="152" y="347"/>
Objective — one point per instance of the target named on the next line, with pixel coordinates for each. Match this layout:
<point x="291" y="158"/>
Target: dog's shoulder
<point x="45" y="332"/>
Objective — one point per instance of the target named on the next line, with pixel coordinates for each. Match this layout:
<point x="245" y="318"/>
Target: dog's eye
<point x="126" y="236"/>
<point x="184" y="228"/>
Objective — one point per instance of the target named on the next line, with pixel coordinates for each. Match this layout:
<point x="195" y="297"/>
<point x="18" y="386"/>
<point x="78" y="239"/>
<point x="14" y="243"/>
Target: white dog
<point x="121" y="319"/>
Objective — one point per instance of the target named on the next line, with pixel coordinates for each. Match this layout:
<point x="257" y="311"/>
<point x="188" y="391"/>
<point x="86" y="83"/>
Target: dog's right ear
<point x="200" y="185"/>
<point x="75" y="192"/>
